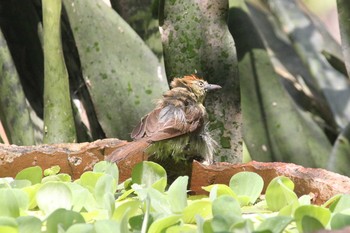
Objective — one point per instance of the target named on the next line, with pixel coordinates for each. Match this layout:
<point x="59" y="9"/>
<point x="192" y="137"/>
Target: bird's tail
<point x="135" y="148"/>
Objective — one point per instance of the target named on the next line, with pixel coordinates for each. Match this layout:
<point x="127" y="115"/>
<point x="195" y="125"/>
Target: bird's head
<point x="196" y="85"/>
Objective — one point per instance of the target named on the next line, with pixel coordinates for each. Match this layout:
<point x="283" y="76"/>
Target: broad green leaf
<point x="186" y="228"/>
<point x="267" y="109"/>
<point x="59" y="177"/>
<point x="202" y="208"/>
<point x="227" y="209"/>
<point x="217" y="190"/>
<point x="54" y="195"/>
<point x="247" y="184"/>
<point x="31" y="192"/>
<point x="52" y="170"/>
<point x="81" y="198"/>
<point x="33" y="174"/>
<point x="104" y="226"/>
<point x="28" y="224"/>
<point x="340" y="221"/>
<point x="314" y="214"/>
<point x="332" y="200"/>
<point x="8" y="225"/>
<point x="63" y="219"/>
<point x="159" y="201"/>
<point x="121" y="207"/>
<point x="340" y="204"/>
<point x="333" y="85"/>
<point x="311" y="224"/>
<point x="117" y="64"/>
<point x="245" y="225"/>
<point x="290" y="209"/>
<point x="89" y="180"/>
<point x="81" y="228"/>
<point x="136" y="222"/>
<point x="19" y="184"/>
<point x="149" y="174"/>
<point x="177" y="194"/>
<point x="12" y="201"/>
<point x="343" y="17"/>
<point x="339" y="158"/>
<point x="104" y="192"/>
<point x="279" y="193"/>
<point x="15" y="110"/>
<point x="274" y="224"/>
<point x="107" y="168"/>
<point x="160" y="225"/>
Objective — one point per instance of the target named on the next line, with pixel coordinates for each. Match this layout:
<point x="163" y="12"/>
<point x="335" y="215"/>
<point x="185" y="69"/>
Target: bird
<point x="177" y="127"/>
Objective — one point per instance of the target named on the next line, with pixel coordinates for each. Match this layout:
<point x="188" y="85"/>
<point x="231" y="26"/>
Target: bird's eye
<point x="201" y="84"/>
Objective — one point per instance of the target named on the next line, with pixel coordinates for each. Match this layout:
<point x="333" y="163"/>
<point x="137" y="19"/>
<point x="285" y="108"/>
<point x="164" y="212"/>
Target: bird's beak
<point x="210" y="87"/>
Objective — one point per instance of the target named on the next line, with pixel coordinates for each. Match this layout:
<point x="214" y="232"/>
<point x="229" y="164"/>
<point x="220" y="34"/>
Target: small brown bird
<point x="177" y="127"/>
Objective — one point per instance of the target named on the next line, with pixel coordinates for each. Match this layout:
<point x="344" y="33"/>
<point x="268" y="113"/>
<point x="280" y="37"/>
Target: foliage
<point x="273" y="58"/>
<point x="97" y="203"/>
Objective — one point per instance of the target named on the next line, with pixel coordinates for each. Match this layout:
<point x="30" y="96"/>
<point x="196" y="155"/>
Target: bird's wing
<point x="168" y="122"/>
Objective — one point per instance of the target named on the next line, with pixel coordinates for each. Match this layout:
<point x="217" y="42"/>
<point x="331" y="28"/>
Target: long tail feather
<point x="130" y="149"/>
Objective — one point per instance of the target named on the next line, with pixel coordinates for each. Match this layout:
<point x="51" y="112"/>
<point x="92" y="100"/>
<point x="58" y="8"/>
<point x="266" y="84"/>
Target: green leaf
<point x="268" y="108"/>
<point x="339" y="158"/>
<point x="8" y="225"/>
<point x="33" y="174"/>
<point x="310" y="224"/>
<point x="315" y="215"/>
<point x="12" y="201"/>
<point x="332" y="200"/>
<point x="19" y="184"/>
<point x="28" y="224"/>
<point x="81" y="228"/>
<point x="104" y="226"/>
<point x="31" y="191"/>
<point x="217" y="190"/>
<point x="340" y="204"/>
<point x="82" y="198"/>
<point x="226" y="213"/>
<point x="160" y="225"/>
<point x="274" y="224"/>
<point x="129" y="205"/>
<point x="188" y="228"/>
<point x="54" y="195"/>
<point x="15" y="110"/>
<point x="52" y="170"/>
<point x="104" y="193"/>
<point x="201" y="208"/>
<point x="149" y="174"/>
<point x="63" y="219"/>
<point x="340" y="221"/>
<point x="116" y="63"/>
<point x="59" y="177"/>
<point x="89" y="180"/>
<point x="247" y="184"/>
<point x="177" y="194"/>
<point x="107" y="168"/>
<point x="279" y="193"/>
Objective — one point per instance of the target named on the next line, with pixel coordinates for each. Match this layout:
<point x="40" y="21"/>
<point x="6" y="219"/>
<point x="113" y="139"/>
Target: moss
<point x="129" y="87"/>
<point x="104" y="76"/>
<point x="148" y="91"/>
<point x="225" y="142"/>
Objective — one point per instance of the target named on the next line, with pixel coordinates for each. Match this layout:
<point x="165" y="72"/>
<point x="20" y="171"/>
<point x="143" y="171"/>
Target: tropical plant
<point x="97" y="203"/>
<point x="274" y="59"/>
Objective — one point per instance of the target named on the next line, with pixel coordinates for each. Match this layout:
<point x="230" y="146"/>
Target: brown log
<point x="320" y="183"/>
